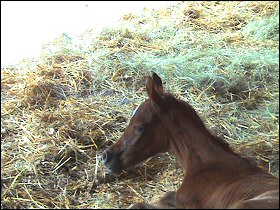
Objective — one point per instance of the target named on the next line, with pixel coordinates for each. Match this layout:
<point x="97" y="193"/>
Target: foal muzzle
<point x="112" y="161"/>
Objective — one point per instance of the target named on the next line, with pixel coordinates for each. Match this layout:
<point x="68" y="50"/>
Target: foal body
<point x="214" y="176"/>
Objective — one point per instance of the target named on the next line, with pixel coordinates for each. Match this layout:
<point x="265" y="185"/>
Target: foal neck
<point x="191" y="142"/>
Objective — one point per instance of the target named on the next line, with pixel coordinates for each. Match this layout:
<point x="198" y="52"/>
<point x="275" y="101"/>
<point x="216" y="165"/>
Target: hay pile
<point x="59" y="113"/>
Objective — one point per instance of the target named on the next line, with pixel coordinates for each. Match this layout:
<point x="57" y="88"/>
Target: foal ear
<point x="153" y="94"/>
<point x="158" y="83"/>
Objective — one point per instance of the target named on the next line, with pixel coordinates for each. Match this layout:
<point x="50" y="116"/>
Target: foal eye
<point x="139" y="129"/>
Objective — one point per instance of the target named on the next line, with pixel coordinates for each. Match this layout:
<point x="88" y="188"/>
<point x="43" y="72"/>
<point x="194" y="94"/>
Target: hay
<point x="60" y="112"/>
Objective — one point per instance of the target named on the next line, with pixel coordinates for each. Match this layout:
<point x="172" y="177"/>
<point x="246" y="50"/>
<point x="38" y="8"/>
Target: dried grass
<point x="60" y="112"/>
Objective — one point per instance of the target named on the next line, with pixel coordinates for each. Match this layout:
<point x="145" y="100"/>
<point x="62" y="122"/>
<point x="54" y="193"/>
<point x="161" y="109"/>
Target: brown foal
<point x="214" y="176"/>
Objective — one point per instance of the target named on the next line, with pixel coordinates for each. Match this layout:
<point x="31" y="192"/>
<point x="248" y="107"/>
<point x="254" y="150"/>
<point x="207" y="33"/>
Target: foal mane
<point x="189" y="112"/>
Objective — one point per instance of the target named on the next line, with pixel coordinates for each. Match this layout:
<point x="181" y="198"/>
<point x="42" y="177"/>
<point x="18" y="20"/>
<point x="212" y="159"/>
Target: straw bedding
<point x="60" y="112"/>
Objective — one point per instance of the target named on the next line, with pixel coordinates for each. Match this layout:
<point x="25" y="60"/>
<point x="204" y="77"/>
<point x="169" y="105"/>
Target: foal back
<point x="267" y="200"/>
<point x="239" y="185"/>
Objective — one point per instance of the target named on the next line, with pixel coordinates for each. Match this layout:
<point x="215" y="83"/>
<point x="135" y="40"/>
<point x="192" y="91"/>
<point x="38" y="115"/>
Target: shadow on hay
<point x="153" y="169"/>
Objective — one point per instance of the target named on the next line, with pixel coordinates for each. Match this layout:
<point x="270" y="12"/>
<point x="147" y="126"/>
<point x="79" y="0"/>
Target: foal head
<point x="144" y="135"/>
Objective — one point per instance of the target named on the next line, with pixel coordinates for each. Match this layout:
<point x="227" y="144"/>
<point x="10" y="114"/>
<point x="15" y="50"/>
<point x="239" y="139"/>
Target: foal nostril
<point x="104" y="157"/>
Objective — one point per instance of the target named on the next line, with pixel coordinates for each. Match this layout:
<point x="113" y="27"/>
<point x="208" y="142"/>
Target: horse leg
<point x="168" y="200"/>
<point x="143" y="205"/>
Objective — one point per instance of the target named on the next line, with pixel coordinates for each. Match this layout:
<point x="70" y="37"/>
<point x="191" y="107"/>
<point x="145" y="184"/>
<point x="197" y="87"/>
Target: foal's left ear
<point x="154" y="91"/>
<point x="158" y="83"/>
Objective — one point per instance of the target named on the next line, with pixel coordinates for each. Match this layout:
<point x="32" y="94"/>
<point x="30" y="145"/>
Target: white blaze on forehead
<point x="135" y="111"/>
